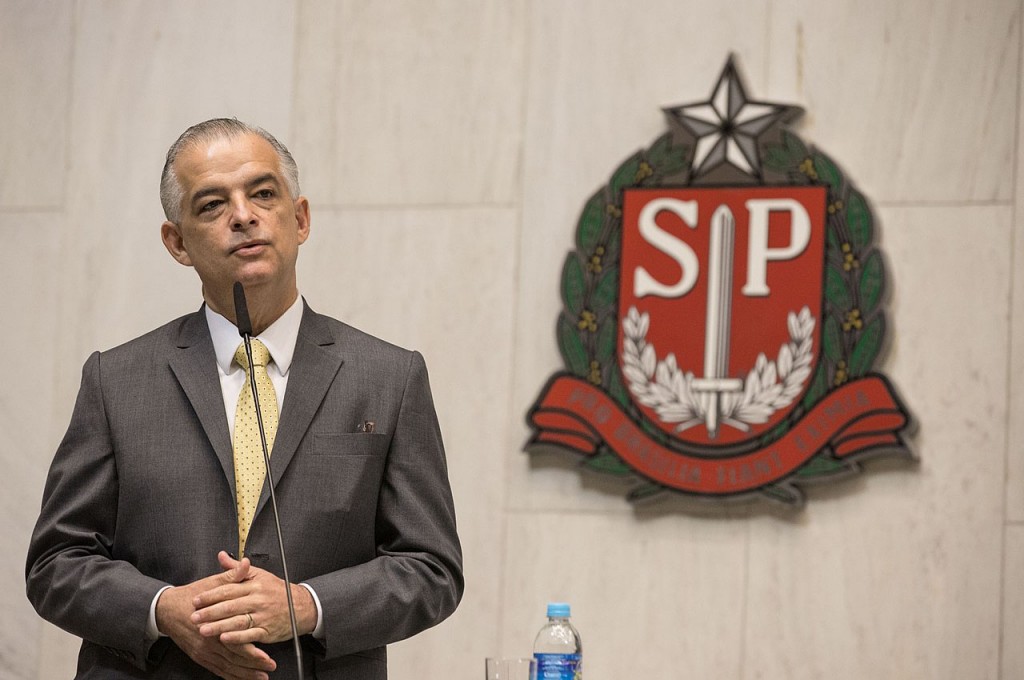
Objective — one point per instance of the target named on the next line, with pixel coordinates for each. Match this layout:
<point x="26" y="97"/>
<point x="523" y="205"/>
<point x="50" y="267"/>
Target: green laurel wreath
<point x="854" y="323"/>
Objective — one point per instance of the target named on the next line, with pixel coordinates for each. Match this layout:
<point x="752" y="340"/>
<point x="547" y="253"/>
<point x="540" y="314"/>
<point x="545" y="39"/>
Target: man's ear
<point x="170" y="234"/>
<point x="302" y="218"/>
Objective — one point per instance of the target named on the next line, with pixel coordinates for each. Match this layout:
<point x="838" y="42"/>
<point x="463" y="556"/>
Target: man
<point x="155" y="543"/>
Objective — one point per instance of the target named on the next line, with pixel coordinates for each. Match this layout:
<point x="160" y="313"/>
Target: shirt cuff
<point x="318" y="632"/>
<point x="151" y="630"/>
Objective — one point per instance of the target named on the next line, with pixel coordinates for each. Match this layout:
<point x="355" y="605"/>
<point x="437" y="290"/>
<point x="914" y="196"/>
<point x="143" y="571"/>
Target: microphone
<point x="242" y="312"/>
<point x="245" y="330"/>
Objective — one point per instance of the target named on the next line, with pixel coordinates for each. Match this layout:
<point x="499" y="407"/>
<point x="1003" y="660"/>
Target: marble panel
<point x="410" y="103"/>
<point x="58" y="655"/>
<point x="598" y="78"/>
<point x="659" y="596"/>
<point x="1013" y="604"/>
<point x="1015" y="438"/>
<point x="896" y="574"/>
<point x="35" y="65"/>
<point x="26" y="417"/>
<point x="917" y="98"/>
<point x="439" y="281"/>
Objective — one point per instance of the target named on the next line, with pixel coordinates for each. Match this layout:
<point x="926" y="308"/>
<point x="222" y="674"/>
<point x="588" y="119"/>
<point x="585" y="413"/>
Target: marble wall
<point x="447" y="148"/>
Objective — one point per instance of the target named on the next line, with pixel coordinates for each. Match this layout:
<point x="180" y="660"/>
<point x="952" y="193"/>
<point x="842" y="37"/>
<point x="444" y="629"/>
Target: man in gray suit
<point x="139" y="547"/>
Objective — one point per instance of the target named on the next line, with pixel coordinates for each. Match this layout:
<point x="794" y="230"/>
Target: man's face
<point x="238" y="222"/>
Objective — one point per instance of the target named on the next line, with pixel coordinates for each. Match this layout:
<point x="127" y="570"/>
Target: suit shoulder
<point x="370" y="350"/>
<point x="151" y="343"/>
<point x="356" y="340"/>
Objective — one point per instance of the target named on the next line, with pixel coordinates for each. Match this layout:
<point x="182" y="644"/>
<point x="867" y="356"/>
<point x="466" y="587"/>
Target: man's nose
<point x="242" y="214"/>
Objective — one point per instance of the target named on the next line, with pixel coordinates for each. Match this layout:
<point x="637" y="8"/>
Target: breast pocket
<point x="342" y="472"/>
<point x="350" y="444"/>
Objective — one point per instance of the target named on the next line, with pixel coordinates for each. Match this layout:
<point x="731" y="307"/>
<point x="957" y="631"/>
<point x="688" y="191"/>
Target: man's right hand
<point x="234" y="662"/>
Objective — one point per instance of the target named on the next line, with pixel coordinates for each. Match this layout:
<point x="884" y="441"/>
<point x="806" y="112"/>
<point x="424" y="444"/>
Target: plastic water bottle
<point x="558" y="649"/>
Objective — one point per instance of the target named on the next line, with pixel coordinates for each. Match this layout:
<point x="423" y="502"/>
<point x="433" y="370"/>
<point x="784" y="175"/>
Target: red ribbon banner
<point x="854" y="418"/>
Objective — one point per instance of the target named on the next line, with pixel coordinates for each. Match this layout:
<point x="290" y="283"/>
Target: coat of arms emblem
<point x="723" y="310"/>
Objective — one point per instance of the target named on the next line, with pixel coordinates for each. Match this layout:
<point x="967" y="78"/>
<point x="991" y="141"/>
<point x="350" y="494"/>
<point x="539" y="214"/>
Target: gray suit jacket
<point x="141" y="494"/>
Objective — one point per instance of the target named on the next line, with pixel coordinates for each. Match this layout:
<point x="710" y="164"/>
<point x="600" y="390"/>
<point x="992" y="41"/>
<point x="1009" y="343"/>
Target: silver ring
<point x="248" y="617"/>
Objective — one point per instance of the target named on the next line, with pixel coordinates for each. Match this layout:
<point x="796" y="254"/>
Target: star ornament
<point x="728" y="127"/>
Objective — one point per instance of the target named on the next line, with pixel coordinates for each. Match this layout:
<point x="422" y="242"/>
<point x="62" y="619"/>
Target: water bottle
<point x="558" y="649"/>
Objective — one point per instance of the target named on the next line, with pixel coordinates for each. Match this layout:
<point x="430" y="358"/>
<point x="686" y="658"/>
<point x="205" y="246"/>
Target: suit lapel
<point x="314" y="367"/>
<point x="195" y="366"/>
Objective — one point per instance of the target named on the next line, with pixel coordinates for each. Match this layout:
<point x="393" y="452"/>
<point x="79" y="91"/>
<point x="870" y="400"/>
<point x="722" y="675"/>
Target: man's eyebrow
<point x="216" y="189"/>
<point x="203" y="193"/>
<point x="265" y="177"/>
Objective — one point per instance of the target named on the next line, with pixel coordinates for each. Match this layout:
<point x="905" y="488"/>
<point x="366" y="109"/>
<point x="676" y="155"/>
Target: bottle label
<point x="559" y="666"/>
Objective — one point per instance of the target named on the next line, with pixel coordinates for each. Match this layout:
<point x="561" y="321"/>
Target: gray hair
<point x="171" y="191"/>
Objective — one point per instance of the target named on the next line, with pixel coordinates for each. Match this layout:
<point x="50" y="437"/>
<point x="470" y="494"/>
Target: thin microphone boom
<point x="245" y="330"/>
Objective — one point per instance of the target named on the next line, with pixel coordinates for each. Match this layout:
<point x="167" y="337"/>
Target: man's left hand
<point x="254" y="610"/>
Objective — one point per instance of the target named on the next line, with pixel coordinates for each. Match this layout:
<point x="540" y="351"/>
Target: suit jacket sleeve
<point x="73" y="578"/>
<point x="415" y="580"/>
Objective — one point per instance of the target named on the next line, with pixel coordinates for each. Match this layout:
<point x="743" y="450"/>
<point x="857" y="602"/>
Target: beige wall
<point x="447" y="147"/>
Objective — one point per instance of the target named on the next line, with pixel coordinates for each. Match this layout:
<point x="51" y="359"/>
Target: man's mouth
<point x="248" y="248"/>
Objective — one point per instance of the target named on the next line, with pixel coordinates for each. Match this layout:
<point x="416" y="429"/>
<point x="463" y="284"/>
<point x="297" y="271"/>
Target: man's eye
<point x="208" y="206"/>
<point x="265" y="193"/>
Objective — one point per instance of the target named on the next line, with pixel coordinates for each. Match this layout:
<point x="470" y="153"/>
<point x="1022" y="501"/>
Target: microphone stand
<point x="245" y="330"/>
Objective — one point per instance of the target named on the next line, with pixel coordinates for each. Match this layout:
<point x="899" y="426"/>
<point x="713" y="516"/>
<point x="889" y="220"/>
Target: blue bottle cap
<point x="558" y="610"/>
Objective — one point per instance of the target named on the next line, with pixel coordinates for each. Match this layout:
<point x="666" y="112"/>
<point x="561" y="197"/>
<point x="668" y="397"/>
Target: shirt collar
<point x="280" y="338"/>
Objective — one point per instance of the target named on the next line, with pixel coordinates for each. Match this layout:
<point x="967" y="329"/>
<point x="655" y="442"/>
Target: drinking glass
<point x="511" y="669"/>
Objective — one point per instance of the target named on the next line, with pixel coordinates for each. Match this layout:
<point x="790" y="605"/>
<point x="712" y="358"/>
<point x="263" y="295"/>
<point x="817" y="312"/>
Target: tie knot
<point x="260" y="355"/>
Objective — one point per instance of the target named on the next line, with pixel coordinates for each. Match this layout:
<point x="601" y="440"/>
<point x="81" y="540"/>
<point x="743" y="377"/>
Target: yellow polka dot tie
<point x="250" y="470"/>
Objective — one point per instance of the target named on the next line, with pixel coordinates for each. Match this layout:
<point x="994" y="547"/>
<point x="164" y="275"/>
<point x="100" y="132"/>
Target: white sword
<point x="716" y="380"/>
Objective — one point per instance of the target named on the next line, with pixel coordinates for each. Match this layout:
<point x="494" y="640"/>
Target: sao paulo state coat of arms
<point x="723" y="310"/>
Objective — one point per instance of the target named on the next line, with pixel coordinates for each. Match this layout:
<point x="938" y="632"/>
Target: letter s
<point x="677" y="249"/>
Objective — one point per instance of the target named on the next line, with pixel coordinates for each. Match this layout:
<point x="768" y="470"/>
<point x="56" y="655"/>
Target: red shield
<point x="720" y="307"/>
